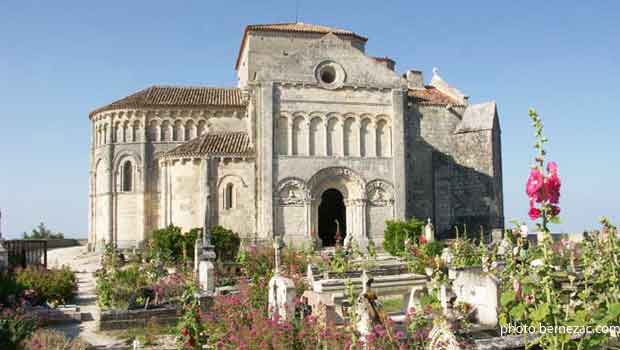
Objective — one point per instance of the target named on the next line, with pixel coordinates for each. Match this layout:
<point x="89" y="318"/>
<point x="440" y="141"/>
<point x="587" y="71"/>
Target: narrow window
<point x="127" y="177"/>
<point x="228" y="197"/>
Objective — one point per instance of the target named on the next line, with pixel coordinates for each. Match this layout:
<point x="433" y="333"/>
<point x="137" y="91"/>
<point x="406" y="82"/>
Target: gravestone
<point x="206" y="268"/>
<point x="281" y="289"/>
<point x="480" y="290"/>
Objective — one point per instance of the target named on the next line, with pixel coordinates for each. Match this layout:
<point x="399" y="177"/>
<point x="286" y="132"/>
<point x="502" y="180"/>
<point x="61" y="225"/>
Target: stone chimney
<point x="415" y="79"/>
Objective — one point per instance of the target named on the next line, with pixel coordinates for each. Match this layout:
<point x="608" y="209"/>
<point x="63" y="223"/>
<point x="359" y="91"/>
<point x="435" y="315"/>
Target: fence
<point x="26" y="252"/>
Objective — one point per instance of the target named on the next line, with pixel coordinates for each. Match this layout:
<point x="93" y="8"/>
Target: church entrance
<point x="332" y="217"/>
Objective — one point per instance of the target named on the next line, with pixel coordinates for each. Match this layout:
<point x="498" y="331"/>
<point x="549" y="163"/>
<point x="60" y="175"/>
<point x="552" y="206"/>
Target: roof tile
<point x="224" y="143"/>
<point x="431" y="96"/>
<point x="178" y="96"/>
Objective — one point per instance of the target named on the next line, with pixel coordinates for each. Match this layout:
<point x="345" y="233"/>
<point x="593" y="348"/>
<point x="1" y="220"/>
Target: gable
<point x="299" y="64"/>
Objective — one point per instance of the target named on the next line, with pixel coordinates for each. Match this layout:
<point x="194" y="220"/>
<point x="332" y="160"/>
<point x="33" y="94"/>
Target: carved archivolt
<point x="292" y="191"/>
<point x="380" y="193"/>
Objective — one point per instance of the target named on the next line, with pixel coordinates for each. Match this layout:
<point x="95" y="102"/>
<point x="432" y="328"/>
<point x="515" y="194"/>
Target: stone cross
<point x="278" y="244"/>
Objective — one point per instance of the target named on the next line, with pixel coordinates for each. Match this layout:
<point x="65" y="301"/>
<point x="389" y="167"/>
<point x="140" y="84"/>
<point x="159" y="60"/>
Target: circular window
<point x="330" y="74"/>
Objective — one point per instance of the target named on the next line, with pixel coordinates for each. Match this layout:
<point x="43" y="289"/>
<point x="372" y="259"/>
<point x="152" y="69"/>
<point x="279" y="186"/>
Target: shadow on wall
<point x="454" y="195"/>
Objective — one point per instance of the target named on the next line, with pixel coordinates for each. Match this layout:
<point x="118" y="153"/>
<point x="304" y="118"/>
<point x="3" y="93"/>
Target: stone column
<point x="143" y="194"/>
<point x="326" y="138"/>
<point x="265" y="160"/>
<point x="342" y="140"/>
<point x="289" y="136"/>
<point x="398" y="153"/>
<point x="110" y="191"/>
<point x="372" y="148"/>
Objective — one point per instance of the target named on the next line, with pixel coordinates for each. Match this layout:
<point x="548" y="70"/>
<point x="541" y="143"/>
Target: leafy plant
<point x="226" y="243"/>
<point x="55" y="286"/>
<point x="172" y="245"/>
<point x="397" y="232"/>
<point x="15" y="327"/>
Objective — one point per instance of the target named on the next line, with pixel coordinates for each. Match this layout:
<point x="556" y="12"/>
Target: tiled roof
<point x="300" y="27"/>
<point x="431" y="96"/>
<point x="224" y="143"/>
<point x="178" y="96"/>
<point x="295" y="27"/>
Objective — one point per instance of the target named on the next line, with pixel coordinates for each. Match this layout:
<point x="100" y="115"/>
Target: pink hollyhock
<point x="534" y="184"/>
<point x="423" y="240"/>
<point x="552" y="188"/>
<point x="534" y="213"/>
<point x="552" y="168"/>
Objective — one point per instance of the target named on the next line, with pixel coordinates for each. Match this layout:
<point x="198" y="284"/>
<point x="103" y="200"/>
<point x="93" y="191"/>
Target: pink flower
<point x="534" y="212"/>
<point x="552" y="167"/>
<point x="534" y="184"/>
<point x="552" y="187"/>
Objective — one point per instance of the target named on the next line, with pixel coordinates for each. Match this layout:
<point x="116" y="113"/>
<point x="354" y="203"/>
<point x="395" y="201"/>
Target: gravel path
<point x="84" y="264"/>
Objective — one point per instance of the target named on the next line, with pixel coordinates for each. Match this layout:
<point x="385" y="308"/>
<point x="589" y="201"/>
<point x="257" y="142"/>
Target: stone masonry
<point x="317" y="137"/>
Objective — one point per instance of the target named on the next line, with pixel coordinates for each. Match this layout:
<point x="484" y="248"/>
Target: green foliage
<point x="190" y="329"/>
<point x="9" y="288"/>
<point x="466" y="254"/>
<point x="397" y="232"/>
<point x="117" y="288"/>
<point x="433" y="248"/>
<point x="172" y="245"/>
<point x="42" y="232"/>
<point x="54" y="286"/>
<point x="15" y="327"/>
<point x="226" y="243"/>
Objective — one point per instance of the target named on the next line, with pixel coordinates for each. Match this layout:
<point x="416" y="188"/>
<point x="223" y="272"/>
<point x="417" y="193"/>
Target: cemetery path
<point x="84" y="264"/>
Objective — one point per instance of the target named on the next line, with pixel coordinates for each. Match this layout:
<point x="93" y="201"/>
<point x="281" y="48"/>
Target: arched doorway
<point x="332" y="217"/>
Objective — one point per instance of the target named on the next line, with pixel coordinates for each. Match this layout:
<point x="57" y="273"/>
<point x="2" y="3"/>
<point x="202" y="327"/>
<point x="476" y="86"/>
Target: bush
<point x="397" y="232"/>
<point x="15" y="327"/>
<point x="172" y="245"/>
<point x="54" y="286"/>
<point x="226" y="243"/>
<point x="9" y="289"/>
<point x="119" y="287"/>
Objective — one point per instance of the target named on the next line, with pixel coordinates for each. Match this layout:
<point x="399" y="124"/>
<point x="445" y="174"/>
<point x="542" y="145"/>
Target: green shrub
<point x="433" y="248"/>
<point x="55" y="286"/>
<point x="226" y="243"/>
<point x="396" y="232"/>
<point x="15" y="327"/>
<point x="172" y="245"/>
<point x="9" y="288"/>
<point x="118" y="287"/>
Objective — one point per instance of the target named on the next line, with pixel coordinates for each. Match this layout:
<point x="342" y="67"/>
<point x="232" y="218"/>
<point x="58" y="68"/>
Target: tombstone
<point x="414" y="297"/>
<point x="429" y="231"/>
<point x="481" y="291"/>
<point x="364" y="309"/>
<point x="206" y="268"/>
<point x="281" y="289"/>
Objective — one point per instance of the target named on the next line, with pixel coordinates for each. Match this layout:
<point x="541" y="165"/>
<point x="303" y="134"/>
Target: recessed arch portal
<point x="332" y="218"/>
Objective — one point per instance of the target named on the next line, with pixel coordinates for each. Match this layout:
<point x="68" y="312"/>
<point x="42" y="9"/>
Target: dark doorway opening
<point x="332" y="209"/>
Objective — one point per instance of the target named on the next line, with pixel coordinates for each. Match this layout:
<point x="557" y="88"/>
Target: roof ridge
<point x="193" y="87"/>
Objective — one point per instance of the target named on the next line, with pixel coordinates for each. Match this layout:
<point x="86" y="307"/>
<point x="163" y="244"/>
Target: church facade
<point x="318" y="137"/>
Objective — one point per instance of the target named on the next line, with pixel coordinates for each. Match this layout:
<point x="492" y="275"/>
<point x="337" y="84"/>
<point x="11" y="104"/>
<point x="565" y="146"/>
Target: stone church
<point x="318" y="137"/>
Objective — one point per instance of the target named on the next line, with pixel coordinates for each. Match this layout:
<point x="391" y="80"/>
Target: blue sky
<point x="61" y="59"/>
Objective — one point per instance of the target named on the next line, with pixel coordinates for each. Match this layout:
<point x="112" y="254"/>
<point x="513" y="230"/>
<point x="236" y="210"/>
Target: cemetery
<point x="475" y="291"/>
